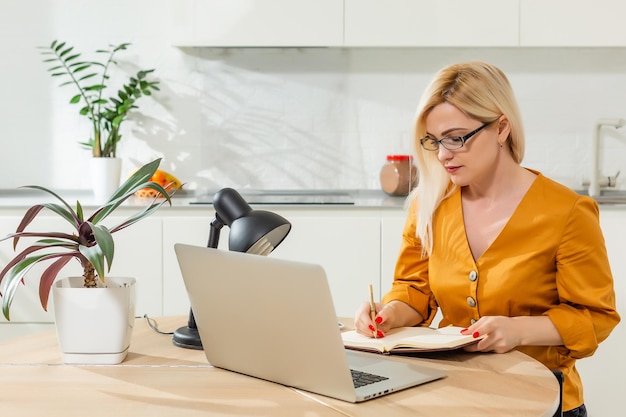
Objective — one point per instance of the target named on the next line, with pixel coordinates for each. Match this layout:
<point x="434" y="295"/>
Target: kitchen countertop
<point x="24" y="198"/>
<point x="21" y="199"/>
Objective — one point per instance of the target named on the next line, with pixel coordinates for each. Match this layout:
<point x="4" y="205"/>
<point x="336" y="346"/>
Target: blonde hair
<point x="483" y="93"/>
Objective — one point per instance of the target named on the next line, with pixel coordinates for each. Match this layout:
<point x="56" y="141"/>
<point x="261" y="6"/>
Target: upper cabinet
<point x="563" y="23"/>
<point x="397" y="23"/>
<point x="257" y="23"/>
<point x="392" y="23"/>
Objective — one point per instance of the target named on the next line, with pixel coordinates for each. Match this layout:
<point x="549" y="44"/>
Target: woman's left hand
<point x="501" y="334"/>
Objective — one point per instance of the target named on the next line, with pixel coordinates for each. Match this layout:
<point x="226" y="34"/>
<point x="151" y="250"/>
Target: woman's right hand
<point x="388" y="316"/>
<point x="363" y="321"/>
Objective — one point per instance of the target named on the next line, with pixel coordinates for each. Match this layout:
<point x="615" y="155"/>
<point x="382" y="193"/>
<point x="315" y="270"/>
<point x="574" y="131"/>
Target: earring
<point x="501" y="145"/>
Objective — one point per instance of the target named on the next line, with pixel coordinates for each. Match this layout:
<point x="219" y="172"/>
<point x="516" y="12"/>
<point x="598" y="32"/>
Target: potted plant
<point x="106" y="114"/>
<point x="91" y="244"/>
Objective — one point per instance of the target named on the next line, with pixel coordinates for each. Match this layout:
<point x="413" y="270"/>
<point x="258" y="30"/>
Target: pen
<point x="373" y="312"/>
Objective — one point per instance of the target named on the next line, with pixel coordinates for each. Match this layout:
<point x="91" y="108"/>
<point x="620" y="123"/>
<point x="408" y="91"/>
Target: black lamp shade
<point x="252" y="231"/>
<point x="259" y="232"/>
<point x="230" y="205"/>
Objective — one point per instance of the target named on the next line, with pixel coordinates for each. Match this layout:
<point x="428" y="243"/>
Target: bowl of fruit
<point x="165" y="180"/>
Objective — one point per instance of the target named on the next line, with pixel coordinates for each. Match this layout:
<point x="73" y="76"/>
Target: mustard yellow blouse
<point x="550" y="259"/>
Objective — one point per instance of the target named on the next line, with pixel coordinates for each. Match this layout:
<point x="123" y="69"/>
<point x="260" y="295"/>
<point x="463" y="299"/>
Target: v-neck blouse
<point x="549" y="259"/>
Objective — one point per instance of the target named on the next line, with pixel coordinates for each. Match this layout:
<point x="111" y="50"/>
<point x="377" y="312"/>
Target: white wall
<point x="276" y="118"/>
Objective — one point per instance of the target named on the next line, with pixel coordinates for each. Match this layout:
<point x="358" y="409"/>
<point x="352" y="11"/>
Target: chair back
<point x="559" y="376"/>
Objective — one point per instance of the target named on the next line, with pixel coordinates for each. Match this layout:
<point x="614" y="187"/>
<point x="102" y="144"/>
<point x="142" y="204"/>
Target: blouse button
<point x="471" y="302"/>
<point x="472" y="276"/>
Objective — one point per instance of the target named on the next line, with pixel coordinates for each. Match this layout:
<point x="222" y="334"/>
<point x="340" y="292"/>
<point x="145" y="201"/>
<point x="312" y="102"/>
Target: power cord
<point x="154" y="325"/>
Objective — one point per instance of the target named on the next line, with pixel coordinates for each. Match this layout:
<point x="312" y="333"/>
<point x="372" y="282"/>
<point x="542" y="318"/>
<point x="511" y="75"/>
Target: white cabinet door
<point x="431" y="23"/>
<point x="345" y="243"/>
<point x="392" y="225"/>
<point x="137" y="254"/>
<point x="191" y="230"/>
<point x="563" y="23"/>
<point x="138" y="250"/>
<point x="602" y="374"/>
<point x="240" y="23"/>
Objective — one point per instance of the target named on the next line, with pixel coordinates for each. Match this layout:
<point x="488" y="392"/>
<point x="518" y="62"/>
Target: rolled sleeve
<point x="586" y="314"/>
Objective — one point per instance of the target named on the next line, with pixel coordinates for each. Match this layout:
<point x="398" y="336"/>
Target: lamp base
<point x="186" y="337"/>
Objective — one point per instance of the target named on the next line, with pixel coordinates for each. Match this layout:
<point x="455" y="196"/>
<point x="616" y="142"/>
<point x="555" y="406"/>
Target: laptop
<point x="274" y="319"/>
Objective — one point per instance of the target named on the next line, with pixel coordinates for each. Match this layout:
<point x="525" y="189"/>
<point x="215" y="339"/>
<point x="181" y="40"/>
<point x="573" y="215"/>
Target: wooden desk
<point x="159" y="379"/>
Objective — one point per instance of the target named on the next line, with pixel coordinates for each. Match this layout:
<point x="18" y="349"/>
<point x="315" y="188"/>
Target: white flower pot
<point x="105" y="177"/>
<point x="94" y="325"/>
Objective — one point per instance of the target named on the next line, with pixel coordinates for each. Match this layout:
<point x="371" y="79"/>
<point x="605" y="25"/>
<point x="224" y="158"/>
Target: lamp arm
<point x="214" y="233"/>
<point x="214" y="239"/>
<point x="191" y="321"/>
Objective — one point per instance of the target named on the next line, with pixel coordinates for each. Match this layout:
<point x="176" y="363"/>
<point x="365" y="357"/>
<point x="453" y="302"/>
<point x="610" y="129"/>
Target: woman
<point x="502" y="250"/>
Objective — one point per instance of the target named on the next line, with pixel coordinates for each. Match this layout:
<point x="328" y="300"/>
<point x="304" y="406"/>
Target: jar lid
<point x="399" y="157"/>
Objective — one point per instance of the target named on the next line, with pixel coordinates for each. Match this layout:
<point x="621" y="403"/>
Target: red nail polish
<point x="463" y="330"/>
<point x="378" y="320"/>
<point x="379" y="334"/>
<point x="475" y="334"/>
<point x="371" y="328"/>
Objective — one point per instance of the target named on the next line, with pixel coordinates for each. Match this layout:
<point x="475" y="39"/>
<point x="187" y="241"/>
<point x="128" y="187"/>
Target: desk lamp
<point x="252" y="231"/>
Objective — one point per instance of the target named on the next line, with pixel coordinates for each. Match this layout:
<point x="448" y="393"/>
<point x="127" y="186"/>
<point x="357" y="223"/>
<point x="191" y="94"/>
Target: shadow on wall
<point x="324" y="118"/>
<point x="230" y="126"/>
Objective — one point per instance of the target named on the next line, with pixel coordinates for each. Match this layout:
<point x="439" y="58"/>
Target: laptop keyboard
<point x="360" y="379"/>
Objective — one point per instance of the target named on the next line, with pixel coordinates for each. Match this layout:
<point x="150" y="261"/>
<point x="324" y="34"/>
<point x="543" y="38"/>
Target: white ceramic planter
<point x="105" y="177"/>
<point x="94" y="325"/>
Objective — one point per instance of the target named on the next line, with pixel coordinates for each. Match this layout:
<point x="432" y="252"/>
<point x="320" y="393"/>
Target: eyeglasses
<point x="451" y="143"/>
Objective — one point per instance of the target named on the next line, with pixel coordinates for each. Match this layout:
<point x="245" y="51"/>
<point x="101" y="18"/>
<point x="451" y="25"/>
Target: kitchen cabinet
<point x="345" y="243"/>
<point x="191" y="230"/>
<point x="407" y="23"/>
<point x="240" y="23"/>
<point x="344" y="23"/>
<point x="392" y="225"/>
<point x="397" y="23"/>
<point x="561" y="23"/>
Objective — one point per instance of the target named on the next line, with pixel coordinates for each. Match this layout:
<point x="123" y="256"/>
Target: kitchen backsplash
<point x="271" y="118"/>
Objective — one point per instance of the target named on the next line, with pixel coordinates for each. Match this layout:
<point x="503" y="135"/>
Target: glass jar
<point x="398" y="176"/>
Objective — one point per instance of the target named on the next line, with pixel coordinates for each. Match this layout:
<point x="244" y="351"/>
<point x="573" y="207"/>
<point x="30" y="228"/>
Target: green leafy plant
<point x="92" y="243"/>
<point x="90" y="79"/>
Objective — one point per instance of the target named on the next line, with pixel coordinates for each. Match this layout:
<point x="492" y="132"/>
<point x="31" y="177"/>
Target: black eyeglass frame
<point x="463" y="139"/>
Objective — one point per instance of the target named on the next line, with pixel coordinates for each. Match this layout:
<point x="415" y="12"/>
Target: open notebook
<point x="410" y="340"/>
<point x="274" y="319"/>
